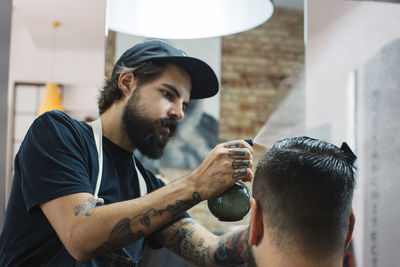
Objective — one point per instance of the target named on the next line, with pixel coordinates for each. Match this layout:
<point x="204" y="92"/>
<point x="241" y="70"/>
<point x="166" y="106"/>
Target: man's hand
<point x="226" y="164"/>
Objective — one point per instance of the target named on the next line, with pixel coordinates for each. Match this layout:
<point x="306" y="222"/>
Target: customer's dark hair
<point x="305" y="188"/>
<point x="145" y="72"/>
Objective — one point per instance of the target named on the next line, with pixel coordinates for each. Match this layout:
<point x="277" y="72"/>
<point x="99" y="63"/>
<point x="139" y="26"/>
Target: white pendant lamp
<point x="186" y="19"/>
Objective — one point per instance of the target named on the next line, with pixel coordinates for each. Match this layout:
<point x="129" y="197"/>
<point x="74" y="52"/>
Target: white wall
<point x="341" y="37"/>
<point x="78" y="64"/>
<point x="80" y="72"/>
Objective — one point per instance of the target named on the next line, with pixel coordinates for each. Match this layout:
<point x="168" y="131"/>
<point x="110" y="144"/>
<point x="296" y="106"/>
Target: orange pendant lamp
<point x="52" y="97"/>
<point x="51" y="100"/>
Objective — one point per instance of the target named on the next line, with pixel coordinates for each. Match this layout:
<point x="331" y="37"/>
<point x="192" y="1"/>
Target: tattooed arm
<point x="87" y="231"/>
<point x="196" y="244"/>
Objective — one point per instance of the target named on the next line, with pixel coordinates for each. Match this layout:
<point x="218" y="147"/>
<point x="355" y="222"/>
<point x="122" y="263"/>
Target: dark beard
<point x="145" y="134"/>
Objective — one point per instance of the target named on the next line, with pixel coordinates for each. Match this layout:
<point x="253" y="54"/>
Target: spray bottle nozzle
<point x="249" y="141"/>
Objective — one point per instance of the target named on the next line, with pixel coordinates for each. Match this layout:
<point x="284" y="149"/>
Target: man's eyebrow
<point x="173" y="88"/>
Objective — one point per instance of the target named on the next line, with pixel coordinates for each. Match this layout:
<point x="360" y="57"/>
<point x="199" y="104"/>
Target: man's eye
<point x="167" y="94"/>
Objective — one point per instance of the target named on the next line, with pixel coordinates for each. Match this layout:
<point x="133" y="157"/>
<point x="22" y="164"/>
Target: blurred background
<point x="328" y="69"/>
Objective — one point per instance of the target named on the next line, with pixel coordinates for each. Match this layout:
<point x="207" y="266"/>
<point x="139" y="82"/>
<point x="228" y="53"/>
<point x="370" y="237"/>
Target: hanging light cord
<point x="55" y="25"/>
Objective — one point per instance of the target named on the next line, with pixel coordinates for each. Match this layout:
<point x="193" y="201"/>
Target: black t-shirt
<point x="58" y="157"/>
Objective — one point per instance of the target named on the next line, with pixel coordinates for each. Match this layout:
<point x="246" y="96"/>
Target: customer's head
<point x="303" y="191"/>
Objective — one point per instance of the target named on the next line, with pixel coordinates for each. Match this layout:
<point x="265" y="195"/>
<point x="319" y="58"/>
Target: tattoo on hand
<point x="239" y="174"/>
<point x="86" y="208"/>
<point x="239" y="163"/>
<point x="234" y="144"/>
<point x="122" y="235"/>
<point x="182" y="205"/>
<point x="236" y="153"/>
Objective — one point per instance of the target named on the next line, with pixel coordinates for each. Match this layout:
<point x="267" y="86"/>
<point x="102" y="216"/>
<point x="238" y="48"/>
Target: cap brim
<point x="204" y="80"/>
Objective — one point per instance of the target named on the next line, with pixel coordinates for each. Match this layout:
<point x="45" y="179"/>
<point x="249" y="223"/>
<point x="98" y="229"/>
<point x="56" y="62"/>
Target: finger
<point x="242" y="163"/>
<point x="240" y="153"/>
<point x="239" y="174"/>
<point x="244" y="174"/>
<point x="232" y="144"/>
<point x="238" y="144"/>
<point x="250" y="175"/>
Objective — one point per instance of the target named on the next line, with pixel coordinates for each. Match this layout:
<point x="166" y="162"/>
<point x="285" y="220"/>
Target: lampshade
<point x="186" y="19"/>
<point x="51" y="100"/>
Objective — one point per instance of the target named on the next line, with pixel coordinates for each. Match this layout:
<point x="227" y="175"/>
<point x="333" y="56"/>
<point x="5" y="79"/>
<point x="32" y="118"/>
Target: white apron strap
<point x="98" y="137"/>
<point x="142" y="182"/>
<point x="98" y="134"/>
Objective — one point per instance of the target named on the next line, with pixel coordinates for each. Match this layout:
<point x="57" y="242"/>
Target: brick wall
<point x="256" y="65"/>
<point x="110" y="53"/>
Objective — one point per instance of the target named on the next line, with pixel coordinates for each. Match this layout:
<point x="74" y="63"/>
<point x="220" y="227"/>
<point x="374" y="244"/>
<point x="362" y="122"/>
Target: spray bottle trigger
<point x="249" y="141"/>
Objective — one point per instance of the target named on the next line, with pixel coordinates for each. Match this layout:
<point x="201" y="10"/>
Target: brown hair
<point x="144" y="73"/>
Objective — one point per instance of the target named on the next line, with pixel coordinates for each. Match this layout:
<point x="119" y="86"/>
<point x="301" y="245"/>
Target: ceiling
<point x="82" y="22"/>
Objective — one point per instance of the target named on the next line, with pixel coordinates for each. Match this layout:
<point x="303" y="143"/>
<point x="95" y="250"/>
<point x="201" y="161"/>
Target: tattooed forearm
<point x="200" y="253"/>
<point x="185" y="243"/>
<point x="86" y="208"/>
<point x="231" y="248"/>
<point x="182" y="205"/>
<point x="120" y="237"/>
<point x="122" y="234"/>
<point x="184" y="238"/>
<point x="181" y="232"/>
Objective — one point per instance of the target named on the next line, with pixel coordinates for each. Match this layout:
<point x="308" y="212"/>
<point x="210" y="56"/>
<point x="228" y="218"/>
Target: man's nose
<point x="176" y="112"/>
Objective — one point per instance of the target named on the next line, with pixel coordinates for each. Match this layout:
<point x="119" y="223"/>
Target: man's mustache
<point x="171" y="123"/>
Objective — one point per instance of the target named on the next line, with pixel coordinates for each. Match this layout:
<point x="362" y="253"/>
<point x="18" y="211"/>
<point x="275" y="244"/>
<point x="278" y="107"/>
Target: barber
<point x="80" y="196"/>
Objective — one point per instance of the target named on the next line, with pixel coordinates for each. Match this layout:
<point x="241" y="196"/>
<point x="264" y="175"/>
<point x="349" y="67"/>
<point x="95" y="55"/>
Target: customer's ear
<point x="256" y="230"/>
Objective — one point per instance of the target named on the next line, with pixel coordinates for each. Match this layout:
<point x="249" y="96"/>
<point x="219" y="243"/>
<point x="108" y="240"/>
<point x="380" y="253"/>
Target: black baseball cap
<point x="204" y="80"/>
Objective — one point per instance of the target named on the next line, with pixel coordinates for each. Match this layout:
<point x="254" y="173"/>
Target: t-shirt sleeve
<point x="51" y="161"/>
